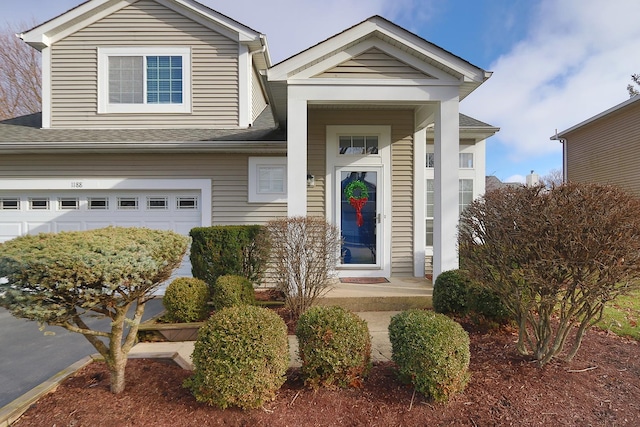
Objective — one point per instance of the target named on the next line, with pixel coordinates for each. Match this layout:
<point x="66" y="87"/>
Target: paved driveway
<point x="29" y="356"/>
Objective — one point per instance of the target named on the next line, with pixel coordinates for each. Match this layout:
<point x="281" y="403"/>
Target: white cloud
<point x="575" y="62"/>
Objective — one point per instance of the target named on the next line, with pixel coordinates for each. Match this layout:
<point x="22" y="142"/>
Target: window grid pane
<point x="156" y="203"/>
<point x="465" y="193"/>
<point x="68" y="203"/>
<point x="187" y="203"/>
<point x="164" y="79"/>
<point x="429" y="210"/>
<point x="358" y="144"/>
<point x="126" y="84"/>
<point x="39" y="203"/>
<point x="271" y="180"/>
<point x="9" y="204"/>
<point x="466" y="161"/>
<point x="98" y="203"/>
<point x="127" y="203"/>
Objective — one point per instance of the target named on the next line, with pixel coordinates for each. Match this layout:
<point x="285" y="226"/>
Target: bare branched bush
<point x="20" y="75"/>
<point x="554" y="257"/>
<point x="304" y="254"/>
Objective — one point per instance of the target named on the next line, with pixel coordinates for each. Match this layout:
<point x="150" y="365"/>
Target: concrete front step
<point x="379" y="303"/>
<point x="400" y="293"/>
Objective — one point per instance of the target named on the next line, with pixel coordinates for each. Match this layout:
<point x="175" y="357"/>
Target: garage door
<point x="55" y="211"/>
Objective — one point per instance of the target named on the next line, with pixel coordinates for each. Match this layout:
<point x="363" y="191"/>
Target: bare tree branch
<point x="20" y="75"/>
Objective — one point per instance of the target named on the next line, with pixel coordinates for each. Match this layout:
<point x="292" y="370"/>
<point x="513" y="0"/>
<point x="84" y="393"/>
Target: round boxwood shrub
<point x="487" y="304"/>
<point x="450" y="292"/>
<point x="231" y="290"/>
<point x="185" y="300"/>
<point x="334" y="346"/>
<point x="240" y="358"/>
<point x="431" y="351"/>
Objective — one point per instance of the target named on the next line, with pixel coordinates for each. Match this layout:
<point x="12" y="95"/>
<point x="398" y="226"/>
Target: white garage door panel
<point x="75" y="211"/>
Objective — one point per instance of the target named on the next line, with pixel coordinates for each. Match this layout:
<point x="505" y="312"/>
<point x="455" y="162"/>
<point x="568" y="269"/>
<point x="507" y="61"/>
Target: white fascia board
<point x="390" y="50"/>
<point x="282" y="70"/>
<point x="244" y="33"/>
<point x="426" y="48"/>
<point x="50" y="32"/>
<point x="596" y="117"/>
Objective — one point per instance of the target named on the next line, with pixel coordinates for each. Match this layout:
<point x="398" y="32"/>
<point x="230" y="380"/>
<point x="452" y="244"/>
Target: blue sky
<point x="555" y="62"/>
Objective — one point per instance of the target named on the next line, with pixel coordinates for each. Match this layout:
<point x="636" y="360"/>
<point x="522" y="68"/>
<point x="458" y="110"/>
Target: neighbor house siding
<point x="607" y="151"/>
<point x="402" y="125"/>
<point x="214" y="80"/>
<point x="374" y="64"/>
<point x="258" y="100"/>
<point x="228" y="173"/>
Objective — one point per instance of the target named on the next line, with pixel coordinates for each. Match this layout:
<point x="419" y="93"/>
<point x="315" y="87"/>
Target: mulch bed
<point x="601" y="387"/>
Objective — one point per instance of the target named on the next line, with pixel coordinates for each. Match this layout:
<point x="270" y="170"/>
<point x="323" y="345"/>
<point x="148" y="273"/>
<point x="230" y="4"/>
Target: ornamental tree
<point x="304" y="256"/>
<point x="60" y="279"/>
<point x="554" y="257"/>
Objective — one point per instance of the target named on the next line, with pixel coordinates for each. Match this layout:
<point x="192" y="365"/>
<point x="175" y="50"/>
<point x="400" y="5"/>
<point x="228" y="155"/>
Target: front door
<point x="359" y="198"/>
<point x="358" y="214"/>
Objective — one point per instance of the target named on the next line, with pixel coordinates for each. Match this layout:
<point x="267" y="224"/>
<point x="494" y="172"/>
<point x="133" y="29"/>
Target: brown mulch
<point x="601" y="387"/>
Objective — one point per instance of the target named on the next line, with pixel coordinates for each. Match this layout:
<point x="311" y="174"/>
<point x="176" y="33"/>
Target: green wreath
<point x="355" y="185"/>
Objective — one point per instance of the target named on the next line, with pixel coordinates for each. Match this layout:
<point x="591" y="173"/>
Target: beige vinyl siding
<point x="607" y="151"/>
<point x="374" y="64"/>
<point x="74" y="90"/>
<point x="228" y="173"/>
<point x="258" y="100"/>
<point x="402" y="125"/>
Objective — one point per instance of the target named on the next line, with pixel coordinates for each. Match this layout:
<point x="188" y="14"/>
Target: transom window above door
<point x="358" y="144"/>
<point x="140" y="80"/>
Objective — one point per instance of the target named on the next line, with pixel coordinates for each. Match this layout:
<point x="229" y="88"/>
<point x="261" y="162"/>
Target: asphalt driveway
<point x="28" y="356"/>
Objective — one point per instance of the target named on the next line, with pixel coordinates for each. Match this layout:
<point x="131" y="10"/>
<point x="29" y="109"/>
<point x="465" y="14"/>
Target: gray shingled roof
<point x="466" y="121"/>
<point x="27" y="129"/>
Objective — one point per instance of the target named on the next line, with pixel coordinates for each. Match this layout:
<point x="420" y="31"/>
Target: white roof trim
<point x="87" y="13"/>
<point x="285" y="69"/>
<point x="597" y="117"/>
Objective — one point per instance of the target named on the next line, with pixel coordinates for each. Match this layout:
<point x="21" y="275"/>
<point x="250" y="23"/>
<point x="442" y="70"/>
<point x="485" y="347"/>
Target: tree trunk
<point x="116" y="370"/>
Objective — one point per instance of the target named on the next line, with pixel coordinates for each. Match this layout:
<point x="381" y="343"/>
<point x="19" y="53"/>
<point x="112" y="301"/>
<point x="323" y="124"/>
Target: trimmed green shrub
<point x="334" y="346"/>
<point x="450" y="292"/>
<point x="486" y="303"/>
<point x="241" y="357"/>
<point x="185" y="300"/>
<point x="229" y="291"/>
<point x="431" y="351"/>
<point x="230" y="249"/>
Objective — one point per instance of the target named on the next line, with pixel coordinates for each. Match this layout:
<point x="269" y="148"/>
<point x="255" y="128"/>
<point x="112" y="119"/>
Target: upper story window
<point x="144" y="80"/>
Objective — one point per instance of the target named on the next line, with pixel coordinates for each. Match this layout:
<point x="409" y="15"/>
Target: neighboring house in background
<point x="605" y="148"/>
<point x="492" y="182"/>
<point x="167" y="114"/>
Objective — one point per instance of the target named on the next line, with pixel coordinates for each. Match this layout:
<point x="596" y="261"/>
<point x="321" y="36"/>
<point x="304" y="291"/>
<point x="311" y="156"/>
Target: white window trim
<point x="104" y="107"/>
<point x="254" y="164"/>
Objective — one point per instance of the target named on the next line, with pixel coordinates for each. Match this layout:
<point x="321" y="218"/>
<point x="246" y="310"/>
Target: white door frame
<point x="382" y="163"/>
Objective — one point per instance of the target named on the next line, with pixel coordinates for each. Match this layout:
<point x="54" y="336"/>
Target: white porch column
<point x="419" y="196"/>
<point x="296" y="153"/>
<point x="445" y="221"/>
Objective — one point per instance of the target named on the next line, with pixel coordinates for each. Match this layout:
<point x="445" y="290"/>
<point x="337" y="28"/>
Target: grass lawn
<point x="622" y="316"/>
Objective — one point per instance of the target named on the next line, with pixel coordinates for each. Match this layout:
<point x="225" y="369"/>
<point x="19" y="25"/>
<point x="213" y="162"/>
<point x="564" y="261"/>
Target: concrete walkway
<point x="180" y="352"/>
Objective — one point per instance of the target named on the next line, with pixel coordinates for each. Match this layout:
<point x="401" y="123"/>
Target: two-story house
<point x="167" y="114"/>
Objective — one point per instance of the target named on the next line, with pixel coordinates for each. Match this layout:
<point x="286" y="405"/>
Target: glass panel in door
<point x="359" y="217"/>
